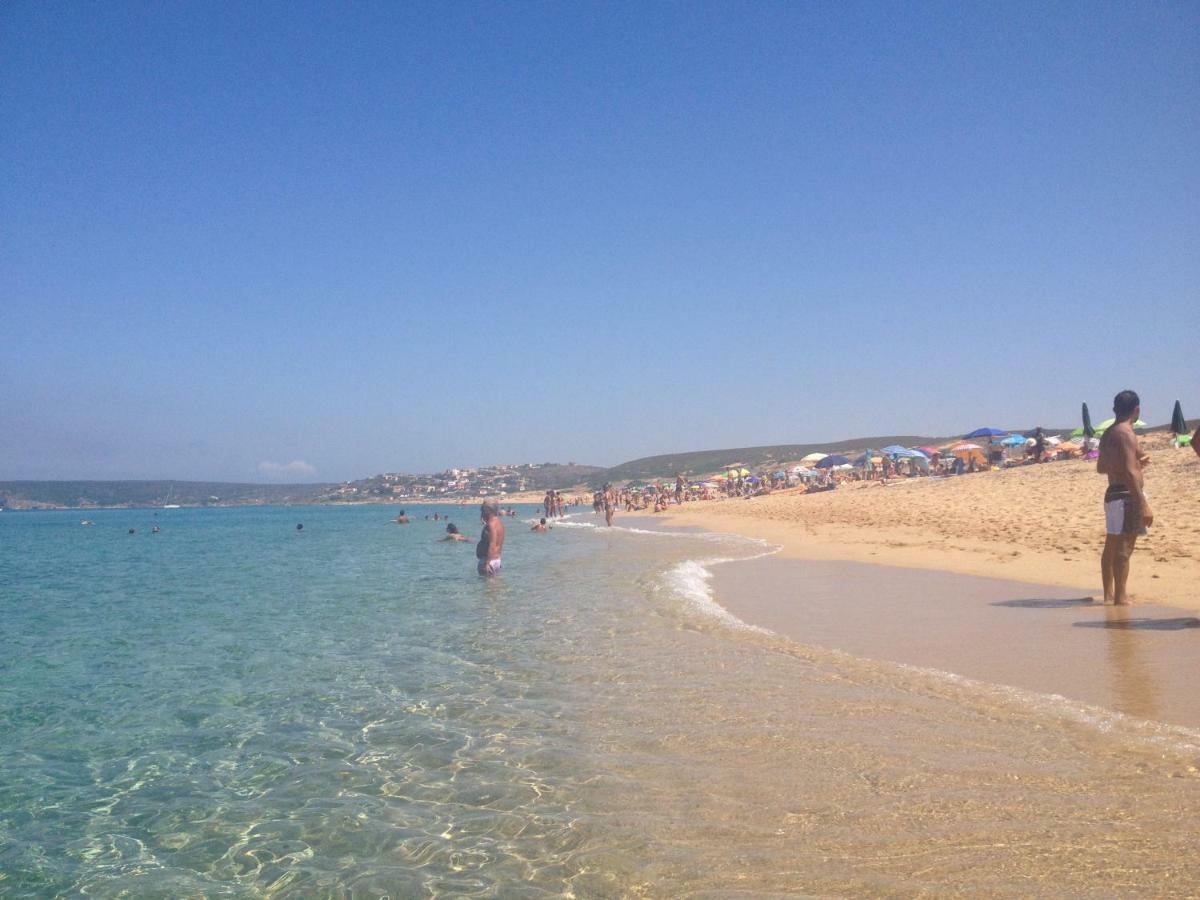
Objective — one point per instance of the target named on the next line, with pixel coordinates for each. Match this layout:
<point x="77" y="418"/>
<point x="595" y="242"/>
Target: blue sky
<point x="319" y="241"/>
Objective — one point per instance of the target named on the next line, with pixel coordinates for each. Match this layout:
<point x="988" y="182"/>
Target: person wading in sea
<point x="1126" y="512"/>
<point x="491" y="541"/>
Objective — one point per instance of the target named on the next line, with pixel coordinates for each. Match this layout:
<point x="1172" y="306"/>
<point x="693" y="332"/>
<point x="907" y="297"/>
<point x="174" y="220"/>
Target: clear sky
<point x="299" y="241"/>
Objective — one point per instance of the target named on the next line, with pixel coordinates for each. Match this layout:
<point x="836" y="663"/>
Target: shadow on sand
<point x="1145" y="624"/>
<point x="1046" y="604"/>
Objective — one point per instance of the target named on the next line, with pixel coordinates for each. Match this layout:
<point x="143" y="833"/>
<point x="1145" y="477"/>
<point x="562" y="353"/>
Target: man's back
<point x="1118" y="455"/>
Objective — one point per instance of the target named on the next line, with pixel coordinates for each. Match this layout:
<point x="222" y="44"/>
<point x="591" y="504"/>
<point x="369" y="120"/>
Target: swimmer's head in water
<point x="1125" y="404"/>
<point x="451" y="528"/>
<point x="543" y="521"/>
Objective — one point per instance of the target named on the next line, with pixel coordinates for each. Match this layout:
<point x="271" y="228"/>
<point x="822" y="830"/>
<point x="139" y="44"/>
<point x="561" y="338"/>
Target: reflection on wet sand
<point x="1132" y="680"/>
<point x="1046" y="640"/>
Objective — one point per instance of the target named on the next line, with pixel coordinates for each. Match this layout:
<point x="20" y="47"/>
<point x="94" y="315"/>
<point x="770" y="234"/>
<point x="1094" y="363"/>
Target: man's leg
<point x="1121" y="568"/>
<point x="1111" y="544"/>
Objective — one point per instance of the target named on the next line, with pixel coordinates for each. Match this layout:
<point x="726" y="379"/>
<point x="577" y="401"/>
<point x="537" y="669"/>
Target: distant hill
<point x="555" y="475"/>
<point x="492" y="480"/>
<point x="18" y="494"/>
<point x="703" y="462"/>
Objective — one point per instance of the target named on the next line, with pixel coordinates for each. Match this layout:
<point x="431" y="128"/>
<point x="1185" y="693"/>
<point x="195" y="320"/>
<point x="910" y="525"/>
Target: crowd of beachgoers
<point x="985" y="449"/>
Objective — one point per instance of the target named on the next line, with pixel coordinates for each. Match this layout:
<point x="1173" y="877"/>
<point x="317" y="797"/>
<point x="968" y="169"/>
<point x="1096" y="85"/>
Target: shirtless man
<point x="491" y="541"/>
<point x="541" y="526"/>
<point x="1126" y="512"/>
<point x="401" y="519"/>
<point x="610" y="504"/>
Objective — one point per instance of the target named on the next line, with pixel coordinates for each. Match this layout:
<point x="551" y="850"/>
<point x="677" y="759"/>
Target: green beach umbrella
<point x="1179" y="424"/>
<point x="1104" y="426"/>
<point x="1088" y="430"/>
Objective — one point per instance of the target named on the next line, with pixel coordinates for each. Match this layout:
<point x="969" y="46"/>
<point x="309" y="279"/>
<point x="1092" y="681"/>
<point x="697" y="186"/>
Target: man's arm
<point x="1196" y="441"/>
<point x="493" y="542"/>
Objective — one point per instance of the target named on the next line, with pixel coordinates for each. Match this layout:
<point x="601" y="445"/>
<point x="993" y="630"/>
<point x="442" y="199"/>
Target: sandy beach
<point x="1042" y="524"/>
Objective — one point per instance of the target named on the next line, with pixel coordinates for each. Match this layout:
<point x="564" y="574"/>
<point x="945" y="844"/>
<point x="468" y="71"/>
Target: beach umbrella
<point x="1107" y="423"/>
<point x="930" y="451"/>
<point x="1179" y="425"/>
<point x="1087" y="430"/>
<point x="965" y="447"/>
<point x="1013" y="440"/>
<point x="813" y="457"/>
<point x="744" y="472"/>
<point x="828" y="462"/>
<point x="985" y="432"/>
<point x="892" y="449"/>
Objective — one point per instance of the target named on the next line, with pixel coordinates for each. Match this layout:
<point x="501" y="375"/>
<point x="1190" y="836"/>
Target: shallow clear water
<point x="235" y="708"/>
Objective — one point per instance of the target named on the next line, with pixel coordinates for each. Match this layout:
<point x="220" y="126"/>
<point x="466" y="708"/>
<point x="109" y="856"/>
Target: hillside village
<point x="454" y="484"/>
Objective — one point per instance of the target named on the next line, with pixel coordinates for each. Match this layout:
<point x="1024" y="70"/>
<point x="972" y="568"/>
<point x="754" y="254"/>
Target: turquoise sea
<point x="234" y="708"/>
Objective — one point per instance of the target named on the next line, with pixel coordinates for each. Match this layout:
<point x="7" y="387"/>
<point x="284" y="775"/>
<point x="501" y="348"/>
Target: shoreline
<point x="1013" y="635"/>
<point x="1037" y="524"/>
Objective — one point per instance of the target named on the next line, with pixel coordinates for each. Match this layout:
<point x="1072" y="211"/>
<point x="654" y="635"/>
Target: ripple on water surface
<point x="234" y="708"/>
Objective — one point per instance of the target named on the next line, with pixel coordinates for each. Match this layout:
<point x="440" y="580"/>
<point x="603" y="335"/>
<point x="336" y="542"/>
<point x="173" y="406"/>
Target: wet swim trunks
<point x="1122" y="512"/>
<point x="489" y="567"/>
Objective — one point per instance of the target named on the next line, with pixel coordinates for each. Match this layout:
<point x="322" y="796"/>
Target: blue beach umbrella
<point x="1013" y="440"/>
<point x="830" y="461"/>
<point x="893" y="449"/>
<point x="985" y="433"/>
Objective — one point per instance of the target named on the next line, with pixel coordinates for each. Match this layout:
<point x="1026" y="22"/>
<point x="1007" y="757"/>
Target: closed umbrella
<point x="1179" y="424"/>
<point x="1088" y="430"/>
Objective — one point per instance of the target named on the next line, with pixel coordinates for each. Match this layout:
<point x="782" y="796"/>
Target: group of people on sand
<point x="1127" y="511"/>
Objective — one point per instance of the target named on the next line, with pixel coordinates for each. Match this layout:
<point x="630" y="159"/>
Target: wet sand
<point x="1037" y="523"/>
<point x="1143" y="661"/>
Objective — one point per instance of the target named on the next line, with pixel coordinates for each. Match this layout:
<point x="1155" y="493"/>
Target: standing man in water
<point x="491" y="541"/>
<point x="610" y="504"/>
<point x="1126" y="512"/>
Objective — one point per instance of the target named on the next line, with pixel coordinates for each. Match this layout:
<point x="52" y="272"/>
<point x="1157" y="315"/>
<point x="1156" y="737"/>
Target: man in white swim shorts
<point x="1126" y="512"/>
<point x="491" y="541"/>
